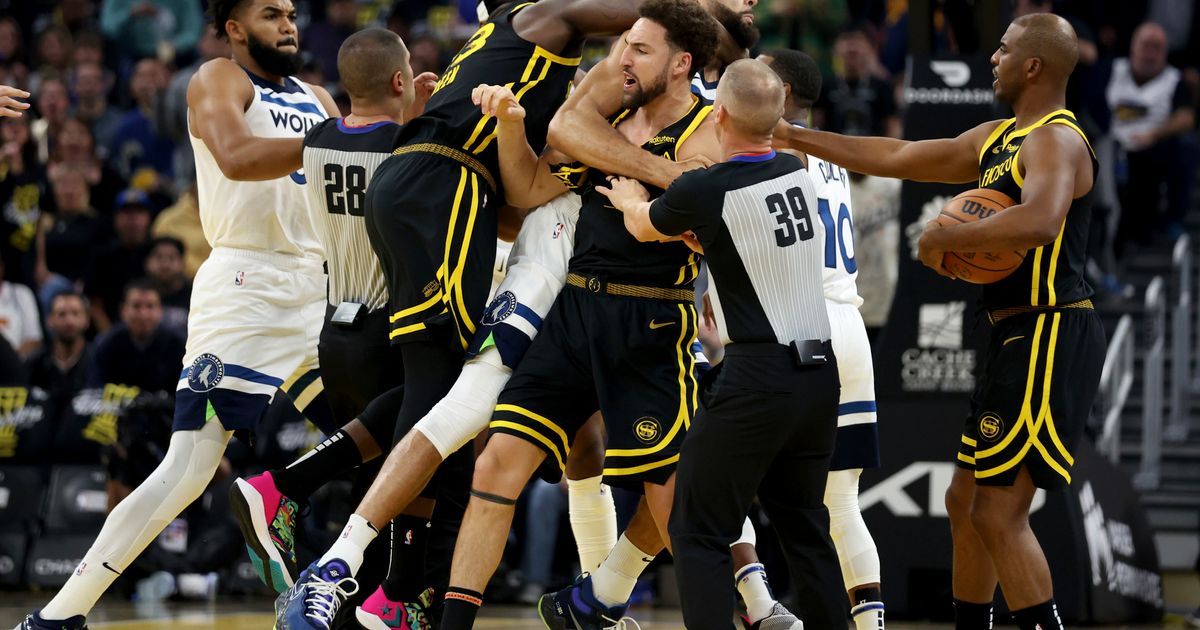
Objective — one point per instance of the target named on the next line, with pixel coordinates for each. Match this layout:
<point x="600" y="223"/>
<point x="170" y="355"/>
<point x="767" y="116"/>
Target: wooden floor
<point x="255" y="615"/>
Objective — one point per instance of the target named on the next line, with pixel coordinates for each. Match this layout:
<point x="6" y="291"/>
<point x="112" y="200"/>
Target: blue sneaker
<point x="34" y="621"/>
<point x="313" y="602"/>
<point x="576" y="608"/>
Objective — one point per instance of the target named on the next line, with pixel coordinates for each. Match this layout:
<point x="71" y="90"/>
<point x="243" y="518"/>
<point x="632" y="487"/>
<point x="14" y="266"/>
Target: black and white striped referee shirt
<point x="754" y="216"/>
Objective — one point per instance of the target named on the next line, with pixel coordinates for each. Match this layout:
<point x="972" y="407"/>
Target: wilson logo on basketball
<point x="977" y="209"/>
<point x="647" y="430"/>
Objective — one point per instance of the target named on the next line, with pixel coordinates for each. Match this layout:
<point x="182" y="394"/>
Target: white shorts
<point x="537" y="272"/>
<point x="255" y="320"/>
<point x="857" y="439"/>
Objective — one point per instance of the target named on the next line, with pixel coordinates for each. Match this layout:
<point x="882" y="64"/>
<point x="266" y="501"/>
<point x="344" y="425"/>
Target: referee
<point x="771" y="416"/>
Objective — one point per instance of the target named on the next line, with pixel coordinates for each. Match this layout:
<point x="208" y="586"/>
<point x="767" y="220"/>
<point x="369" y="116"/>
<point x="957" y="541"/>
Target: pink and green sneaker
<point x="381" y="613"/>
<point x="268" y="522"/>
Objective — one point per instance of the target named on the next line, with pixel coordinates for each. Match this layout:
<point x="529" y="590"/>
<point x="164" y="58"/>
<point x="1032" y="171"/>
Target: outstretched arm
<point x="217" y="97"/>
<point x="528" y="182"/>
<point x="556" y="25"/>
<point x="950" y="160"/>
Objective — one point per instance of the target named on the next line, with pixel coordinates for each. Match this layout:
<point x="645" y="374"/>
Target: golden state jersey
<point x="1053" y="274"/>
<point x="602" y="244"/>
<point x="495" y="55"/>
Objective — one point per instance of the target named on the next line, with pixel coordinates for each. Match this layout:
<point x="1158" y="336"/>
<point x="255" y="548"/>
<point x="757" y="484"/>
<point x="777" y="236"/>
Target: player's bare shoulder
<point x="221" y="81"/>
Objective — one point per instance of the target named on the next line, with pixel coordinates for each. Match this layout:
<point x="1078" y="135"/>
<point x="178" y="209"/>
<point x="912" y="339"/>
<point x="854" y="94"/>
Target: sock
<point x="1043" y="616"/>
<point x="613" y="582"/>
<point x="752" y="585"/>
<point x="460" y="608"/>
<point x="593" y="520"/>
<point x="351" y="544"/>
<point x="336" y="455"/>
<point x="868" y="615"/>
<point x="406" y="575"/>
<point x="971" y="616"/>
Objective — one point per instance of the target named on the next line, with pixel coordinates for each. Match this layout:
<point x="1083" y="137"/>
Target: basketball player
<point x="618" y="338"/>
<point x="771" y="415"/>
<point x="258" y="299"/>
<point x="737" y="16"/>
<point x="430" y="215"/>
<point x="1047" y="343"/>
<point x="857" y="444"/>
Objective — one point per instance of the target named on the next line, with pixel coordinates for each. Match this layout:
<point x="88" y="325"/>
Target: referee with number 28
<point x="771" y="415"/>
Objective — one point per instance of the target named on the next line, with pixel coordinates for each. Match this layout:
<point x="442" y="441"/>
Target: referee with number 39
<point x="768" y="423"/>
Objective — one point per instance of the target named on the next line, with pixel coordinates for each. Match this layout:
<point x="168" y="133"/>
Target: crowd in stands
<point x="99" y="221"/>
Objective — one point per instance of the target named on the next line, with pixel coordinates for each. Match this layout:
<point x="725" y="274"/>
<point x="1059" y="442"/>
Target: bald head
<point x="1051" y="39"/>
<point x="752" y="95"/>
<point x="1148" y="51"/>
<point x="367" y="62"/>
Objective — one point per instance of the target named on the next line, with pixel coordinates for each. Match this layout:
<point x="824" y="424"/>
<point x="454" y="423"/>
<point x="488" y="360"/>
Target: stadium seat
<point x="21" y="490"/>
<point x="52" y="559"/>
<point x="78" y="501"/>
<point x="12" y="557"/>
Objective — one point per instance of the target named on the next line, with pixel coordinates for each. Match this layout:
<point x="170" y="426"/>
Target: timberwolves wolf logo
<point x="204" y="374"/>
<point x="500" y="308"/>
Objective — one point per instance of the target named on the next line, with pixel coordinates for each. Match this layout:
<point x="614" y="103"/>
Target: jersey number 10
<point x="839" y="236"/>
<point x="345" y="189"/>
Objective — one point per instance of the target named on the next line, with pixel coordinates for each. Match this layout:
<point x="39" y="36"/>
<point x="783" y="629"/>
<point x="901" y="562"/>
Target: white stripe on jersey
<point x="355" y="274"/>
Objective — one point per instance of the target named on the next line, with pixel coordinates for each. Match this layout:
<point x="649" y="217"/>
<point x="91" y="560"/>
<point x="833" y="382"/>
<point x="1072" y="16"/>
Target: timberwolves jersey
<point x="267" y="215"/>
<point x="602" y="244"/>
<point x="339" y="162"/>
<point x="1053" y="274"/>
<point x="495" y="55"/>
<point x="835" y="229"/>
<point x="704" y="89"/>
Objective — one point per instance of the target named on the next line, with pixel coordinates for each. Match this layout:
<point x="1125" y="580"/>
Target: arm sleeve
<point x="686" y="204"/>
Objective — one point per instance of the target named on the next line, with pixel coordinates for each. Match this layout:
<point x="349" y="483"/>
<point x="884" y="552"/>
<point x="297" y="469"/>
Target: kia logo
<point x="953" y="73"/>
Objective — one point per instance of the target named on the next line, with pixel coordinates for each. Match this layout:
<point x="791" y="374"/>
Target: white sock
<point x="868" y="616"/>
<point x="613" y="582"/>
<point x="352" y="543"/>
<point x="752" y="584"/>
<point x="593" y="520"/>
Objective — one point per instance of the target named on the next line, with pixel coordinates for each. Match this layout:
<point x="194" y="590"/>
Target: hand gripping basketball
<point x="978" y="267"/>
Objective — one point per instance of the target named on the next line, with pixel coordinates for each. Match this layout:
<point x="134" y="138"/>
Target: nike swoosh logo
<point x="105" y="565"/>
<point x="656" y="325"/>
<point x="1012" y="339"/>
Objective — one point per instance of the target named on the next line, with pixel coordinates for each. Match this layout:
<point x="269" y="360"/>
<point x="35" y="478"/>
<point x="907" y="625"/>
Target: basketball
<point x="978" y="267"/>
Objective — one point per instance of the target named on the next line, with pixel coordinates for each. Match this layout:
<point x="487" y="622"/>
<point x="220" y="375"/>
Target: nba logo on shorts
<point x="239" y="279"/>
<point x="205" y="372"/>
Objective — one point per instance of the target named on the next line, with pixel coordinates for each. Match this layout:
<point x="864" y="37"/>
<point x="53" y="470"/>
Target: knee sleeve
<point x="855" y="548"/>
<point x="748" y="536"/>
<point x="467" y="408"/>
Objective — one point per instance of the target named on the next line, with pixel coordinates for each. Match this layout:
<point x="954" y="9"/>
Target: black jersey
<point x="1053" y="274"/>
<point x="495" y="55"/>
<point x="605" y="248"/>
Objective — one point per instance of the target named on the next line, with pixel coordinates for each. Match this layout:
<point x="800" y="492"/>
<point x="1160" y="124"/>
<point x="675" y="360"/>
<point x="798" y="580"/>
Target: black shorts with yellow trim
<point x="632" y="359"/>
<point x="431" y="221"/>
<point x="1030" y="407"/>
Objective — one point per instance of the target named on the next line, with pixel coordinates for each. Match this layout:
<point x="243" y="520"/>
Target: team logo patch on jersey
<point x="990" y="426"/>
<point x="647" y="430"/>
<point x="500" y="308"/>
<point x="431" y="288"/>
<point x="205" y="372"/>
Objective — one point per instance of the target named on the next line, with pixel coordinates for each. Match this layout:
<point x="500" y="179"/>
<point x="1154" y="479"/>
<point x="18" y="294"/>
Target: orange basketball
<point x="978" y="267"/>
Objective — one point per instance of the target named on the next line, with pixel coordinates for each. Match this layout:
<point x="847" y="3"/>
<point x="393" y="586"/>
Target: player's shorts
<point x="432" y="223"/>
<point x="537" y="271"/>
<point x="358" y="364"/>
<point x="254" y="321"/>
<point x="632" y="359"/>
<point x="1032" y="403"/>
<point x="857" y="443"/>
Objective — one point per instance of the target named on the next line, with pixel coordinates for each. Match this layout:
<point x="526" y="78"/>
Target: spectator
<point x="55" y="52"/>
<point x="857" y="101"/>
<point x="121" y="262"/>
<point x="91" y="84"/>
<point x="164" y="267"/>
<point x="19" y="321"/>
<point x="1153" y="113"/>
<point x="323" y="39"/>
<point x="62" y="368"/>
<point x="13" y="70"/>
<point x="75" y="148"/>
<point x="89" y="48"/>
<point x="182" y="222"/>
<point x="876" y="202"/>
<point x="138" y="151"/>
<point x="160" y="29"/>
<point x="170" y="112"/>
<point x="53" y="108"/>
<point x="22" y="195"/>
<point x="425" y="55"/>
<point x="139" y="352"/>
<point x="66" y="239"/>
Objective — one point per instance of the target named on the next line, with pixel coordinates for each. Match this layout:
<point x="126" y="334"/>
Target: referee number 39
<point x="791" y="213"/>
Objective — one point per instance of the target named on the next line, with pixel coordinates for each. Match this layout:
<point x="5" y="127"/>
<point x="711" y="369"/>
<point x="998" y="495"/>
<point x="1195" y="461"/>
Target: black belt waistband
<point x="596" y="284"/>
<point x="997" y="315"/>
<point x="765" y="349"/>
<point x="457" y="155"/>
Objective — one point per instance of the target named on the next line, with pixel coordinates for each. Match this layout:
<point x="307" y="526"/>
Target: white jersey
<point x="703" y="88"/>
<point x="836" y="231"/>
<point x="267" y="216"/>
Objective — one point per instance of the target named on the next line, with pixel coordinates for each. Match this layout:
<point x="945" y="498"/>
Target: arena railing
<point x="1181" y="333"/>
<point x="1154" y="340"/>
<point x="1116" y="382"/>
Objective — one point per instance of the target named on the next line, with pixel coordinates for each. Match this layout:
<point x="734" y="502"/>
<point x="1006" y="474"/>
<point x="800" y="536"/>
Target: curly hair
<point x="689" y="28"/>
<point x="219" y="11"/>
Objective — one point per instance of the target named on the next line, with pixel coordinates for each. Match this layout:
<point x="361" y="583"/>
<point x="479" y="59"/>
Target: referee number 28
<point x="345" y="189"/>
<point x="791" y="213"/>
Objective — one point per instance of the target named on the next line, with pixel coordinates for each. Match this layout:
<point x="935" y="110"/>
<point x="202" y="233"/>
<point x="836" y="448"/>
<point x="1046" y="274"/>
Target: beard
<point x="272" y="59"/>
<point x="744" y="33"/>
<point x="643" y="95"/>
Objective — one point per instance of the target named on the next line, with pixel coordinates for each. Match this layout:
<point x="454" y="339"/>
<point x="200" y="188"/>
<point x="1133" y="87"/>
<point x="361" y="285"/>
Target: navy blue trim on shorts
<point x="856" y="446"/>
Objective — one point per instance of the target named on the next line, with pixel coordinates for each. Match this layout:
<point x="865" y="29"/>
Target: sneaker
<point x="267" y="519"/>
<point x="780" y="619"/>
<point x="1192" y="619"/>
<point x="381" y="613"/>
<point x="313" y="601"/>
<point x="576" y="608"/>
<point x="34" y="621"/>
